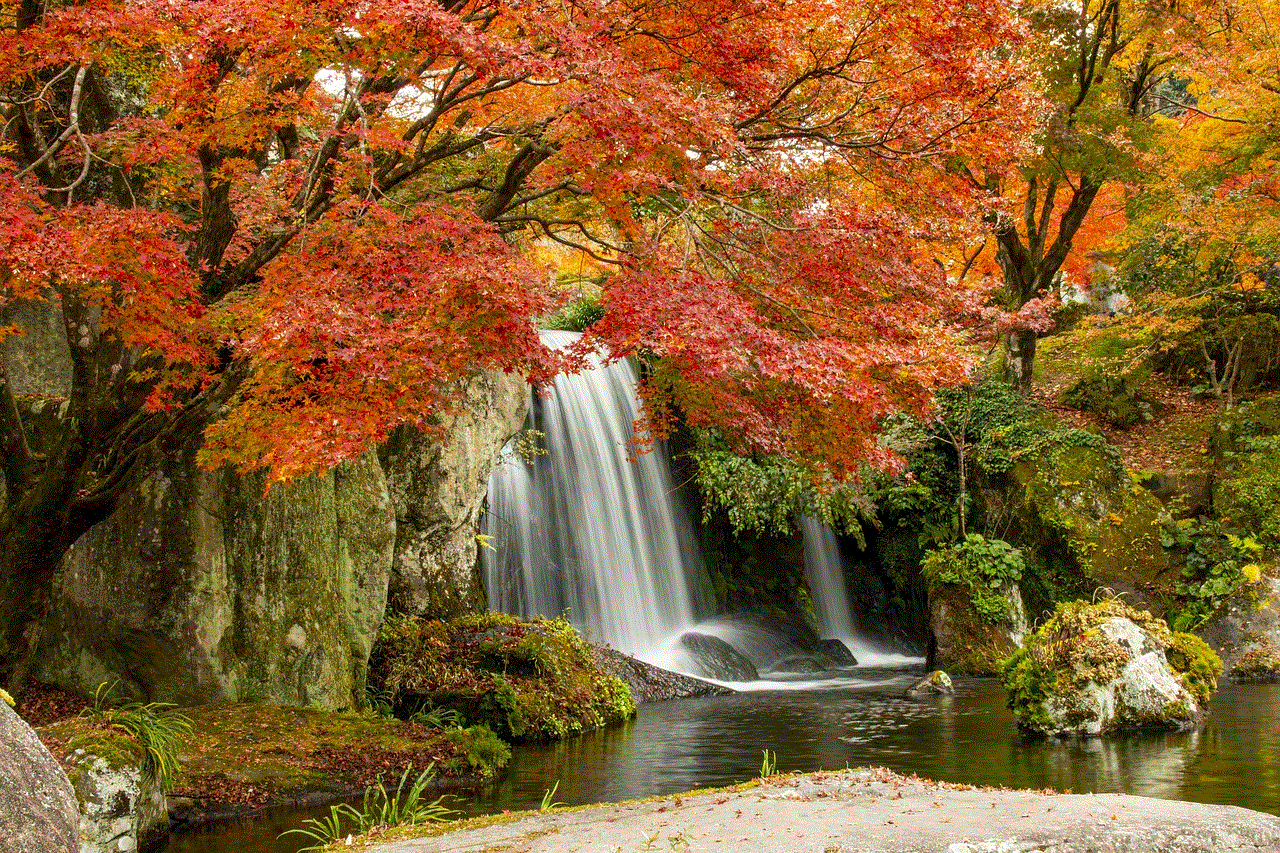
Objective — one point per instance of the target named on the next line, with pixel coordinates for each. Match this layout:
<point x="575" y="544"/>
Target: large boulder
<point x="976" y="614"/>
<point x="1105" y="668"/>
<point x="38" y="812"/>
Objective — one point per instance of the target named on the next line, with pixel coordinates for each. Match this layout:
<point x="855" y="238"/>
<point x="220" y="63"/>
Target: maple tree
<point x="1110" y="67"/>
<point x="284" y="229"/>
<point x="1200" y="255"/>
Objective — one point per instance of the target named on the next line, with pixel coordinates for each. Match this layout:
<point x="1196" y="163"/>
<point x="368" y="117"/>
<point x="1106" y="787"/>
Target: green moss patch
<point x="1069" y="651"/>
<point x="252" y="755"/>
<point x="527" y="680"/>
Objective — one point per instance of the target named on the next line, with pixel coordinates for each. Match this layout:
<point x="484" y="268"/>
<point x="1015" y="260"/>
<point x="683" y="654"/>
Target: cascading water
<point x="825" y="574"/>
<point x="590" y="530"/>
<point x="824" y="571"/>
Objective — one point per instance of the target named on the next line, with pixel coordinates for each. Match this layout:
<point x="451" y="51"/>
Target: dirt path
<point x="871" y="811"/>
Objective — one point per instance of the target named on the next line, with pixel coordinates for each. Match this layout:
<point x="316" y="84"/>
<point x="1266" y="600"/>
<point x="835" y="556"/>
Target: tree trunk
<point x="29" y="557"/>
<point x="1020" y="358"/>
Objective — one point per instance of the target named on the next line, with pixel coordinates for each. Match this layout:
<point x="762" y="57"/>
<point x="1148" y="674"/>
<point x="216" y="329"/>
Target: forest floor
<point x="1176" y="440"/>
<point x="246" y="756"/>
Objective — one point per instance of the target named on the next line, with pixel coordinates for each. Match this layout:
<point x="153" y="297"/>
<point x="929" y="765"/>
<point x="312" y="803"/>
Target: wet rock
<point x="936" y="683"/>
<point x="1104" y="668"/>
<point x="798" y="663"/>
<point x="651" y="683"/>
<point x="836" y="652"/>
<point x="716" y="659"/>
<point x="38" y="812"/>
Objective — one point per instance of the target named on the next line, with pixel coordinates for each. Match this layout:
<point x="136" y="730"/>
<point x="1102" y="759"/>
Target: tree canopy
<point x="288" y="228"/>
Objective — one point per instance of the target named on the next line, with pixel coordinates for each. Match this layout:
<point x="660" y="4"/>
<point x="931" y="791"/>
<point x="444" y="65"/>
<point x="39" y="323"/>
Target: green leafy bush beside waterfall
<point x="983" y="568"/>
<point x="527" y="680"/>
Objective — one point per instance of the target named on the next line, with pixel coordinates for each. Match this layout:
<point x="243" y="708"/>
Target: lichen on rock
<point x="527" y="680"/>
<point x="1105" y="668"/>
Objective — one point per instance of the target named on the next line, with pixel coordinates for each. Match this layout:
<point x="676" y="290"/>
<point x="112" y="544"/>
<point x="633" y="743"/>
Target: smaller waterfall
<point x="824" y="571"/>
<point x="590" y="530"/>
<point x="825" y="574"/>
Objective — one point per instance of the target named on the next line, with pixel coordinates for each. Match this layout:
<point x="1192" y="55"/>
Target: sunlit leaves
<point x="334" y="207"/>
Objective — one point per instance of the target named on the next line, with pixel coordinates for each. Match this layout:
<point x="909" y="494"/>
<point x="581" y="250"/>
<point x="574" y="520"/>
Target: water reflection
<point x="970" y="737"/>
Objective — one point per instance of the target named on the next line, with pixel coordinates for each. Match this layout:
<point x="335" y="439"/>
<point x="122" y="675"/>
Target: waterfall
<point x="590" y="530"/>
<point x="825" y="574"/>
<point x="824" y="570"/>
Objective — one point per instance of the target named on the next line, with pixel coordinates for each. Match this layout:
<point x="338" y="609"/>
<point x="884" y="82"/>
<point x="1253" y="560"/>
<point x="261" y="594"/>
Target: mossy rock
<point x="1105" y="668"/>
<point x="527" y="680"/>
<point x="1073" y="506"/>
<point x="964" y="642"/>
<point x="1260" y="666"/>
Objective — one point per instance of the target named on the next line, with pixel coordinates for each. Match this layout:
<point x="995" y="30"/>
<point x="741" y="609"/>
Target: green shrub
<point x="980" y="566"/>
<point x="1249" y="499"/>
<point x="765" y="494"/>
<point x="526" y="680"/>
<point x="152" y="725"/>
<point x="576" y="315"/>
<point x="1218" y="562"/>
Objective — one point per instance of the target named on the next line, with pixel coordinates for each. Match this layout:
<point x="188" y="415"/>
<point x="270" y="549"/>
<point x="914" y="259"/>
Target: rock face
<point x="120" y="806"/>
<point x="1107" y="668"/>
<point x="1246" y="632"/>
<point x="38" y="812"/>
<point x="438" y="491"/>
<point x="962" y="641"/>
<point x="201" y="588"/>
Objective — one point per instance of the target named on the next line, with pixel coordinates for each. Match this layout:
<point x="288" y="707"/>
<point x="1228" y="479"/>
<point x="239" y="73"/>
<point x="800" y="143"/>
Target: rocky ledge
<point x="651" y="683"/>
<point x="871" y="811"/>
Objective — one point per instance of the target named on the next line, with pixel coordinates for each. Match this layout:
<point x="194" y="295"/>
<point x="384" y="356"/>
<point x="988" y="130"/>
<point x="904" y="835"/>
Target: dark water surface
<point x="970" y="737"/>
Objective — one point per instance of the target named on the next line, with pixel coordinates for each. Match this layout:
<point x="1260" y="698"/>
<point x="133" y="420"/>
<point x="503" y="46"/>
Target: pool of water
<point x="1234" y="758"/>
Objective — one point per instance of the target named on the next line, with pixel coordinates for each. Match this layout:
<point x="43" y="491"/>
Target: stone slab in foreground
<point x="873" y="811"/>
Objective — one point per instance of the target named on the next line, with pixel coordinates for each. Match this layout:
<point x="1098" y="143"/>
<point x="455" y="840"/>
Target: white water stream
<point x="590" y="529"/>
<point x="593" y="532"/>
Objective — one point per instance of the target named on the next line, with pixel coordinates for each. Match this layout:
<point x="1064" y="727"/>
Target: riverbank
<point x="868" y="811"/>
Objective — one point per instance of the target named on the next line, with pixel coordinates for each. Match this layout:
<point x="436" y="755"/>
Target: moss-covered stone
<point x="1072" y="506"/>
<point x="965" y="642"/>
<point x="528" y="680"/>
<point x="1261" y="665"/>
<point x="122" y="801"/>
<point x="1108" y="667"/>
